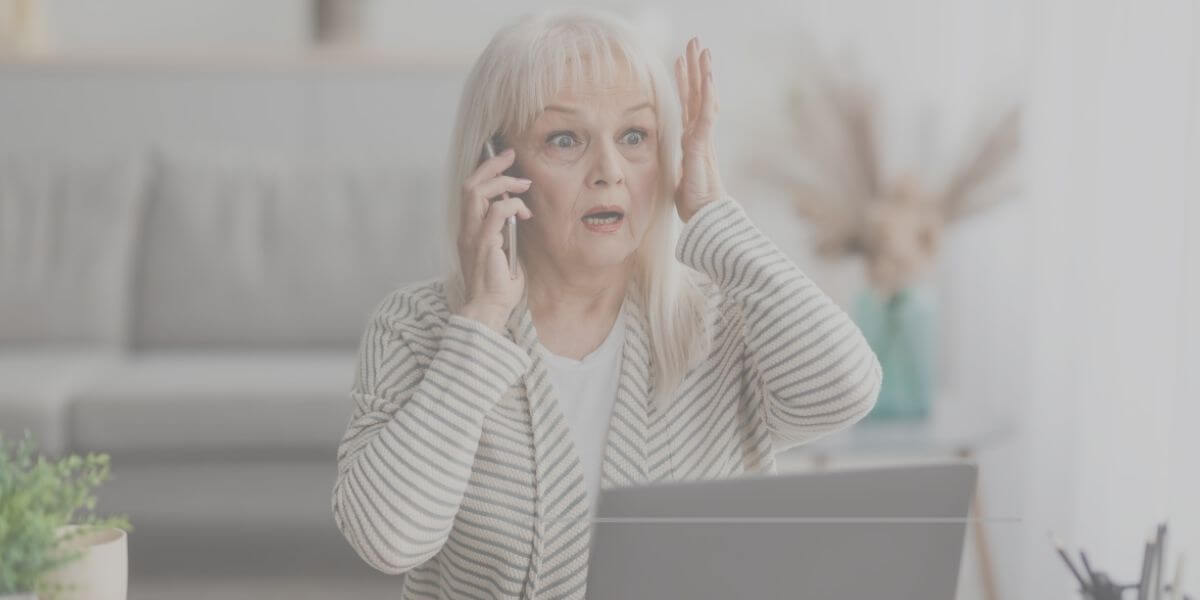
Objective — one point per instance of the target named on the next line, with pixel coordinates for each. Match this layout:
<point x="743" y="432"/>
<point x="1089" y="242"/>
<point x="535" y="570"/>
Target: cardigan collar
<point x="560" y="496"/>
<point x="629" y="422"/>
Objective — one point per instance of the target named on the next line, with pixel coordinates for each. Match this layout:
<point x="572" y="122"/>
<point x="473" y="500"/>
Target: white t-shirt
<point x="586" y="391"/>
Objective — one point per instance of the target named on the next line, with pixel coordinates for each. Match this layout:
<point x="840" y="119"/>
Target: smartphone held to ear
<point x="510" y="224"/>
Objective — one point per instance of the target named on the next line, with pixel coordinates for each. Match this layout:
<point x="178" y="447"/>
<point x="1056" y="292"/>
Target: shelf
<point x="304" y="59"/>
<point x="953" y="426"/>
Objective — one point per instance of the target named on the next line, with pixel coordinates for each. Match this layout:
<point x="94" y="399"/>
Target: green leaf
<point x="37" y="496"/>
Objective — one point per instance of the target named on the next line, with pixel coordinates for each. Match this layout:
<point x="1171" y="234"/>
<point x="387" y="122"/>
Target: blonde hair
<point x="519" y="72"/>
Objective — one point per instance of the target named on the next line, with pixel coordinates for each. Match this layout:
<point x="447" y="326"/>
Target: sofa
<point x="195" y="314"/>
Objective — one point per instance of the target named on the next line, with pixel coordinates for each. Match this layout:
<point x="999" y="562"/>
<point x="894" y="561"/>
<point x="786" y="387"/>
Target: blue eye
<point x="641" y="136"/>
<point x="558" y="135"/>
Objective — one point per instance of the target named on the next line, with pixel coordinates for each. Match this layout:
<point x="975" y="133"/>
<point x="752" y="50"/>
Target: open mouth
<point x="603" y="218"/>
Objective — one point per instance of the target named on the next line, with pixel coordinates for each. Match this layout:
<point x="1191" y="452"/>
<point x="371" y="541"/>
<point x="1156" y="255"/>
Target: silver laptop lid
<point x="886" y="532"/>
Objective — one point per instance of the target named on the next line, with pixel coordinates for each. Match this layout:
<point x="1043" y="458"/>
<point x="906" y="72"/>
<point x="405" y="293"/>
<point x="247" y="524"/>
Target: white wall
<point x="1114" y="186"/>
<point x="177" y="25"/>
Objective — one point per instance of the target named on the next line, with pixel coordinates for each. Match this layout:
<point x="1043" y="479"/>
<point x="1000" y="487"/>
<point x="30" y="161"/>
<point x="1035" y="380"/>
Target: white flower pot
<point x="103" y="570"/>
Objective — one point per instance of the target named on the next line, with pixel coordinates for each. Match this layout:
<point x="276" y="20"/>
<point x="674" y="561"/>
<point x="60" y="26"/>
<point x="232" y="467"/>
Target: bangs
<point x="571" y="56"/>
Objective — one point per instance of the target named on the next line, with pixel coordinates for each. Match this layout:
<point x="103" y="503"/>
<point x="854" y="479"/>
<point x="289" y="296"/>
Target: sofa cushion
<point x="230" y="404"/>
<point x="67" y="230"/>
<point x="247" y="251"/>
<point x="37" y="384"/>
<point x="249" y="517"/>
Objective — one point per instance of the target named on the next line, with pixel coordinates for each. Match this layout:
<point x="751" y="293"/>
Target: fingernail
<point x="523" y="180"/>
<point x="508" y="151"/>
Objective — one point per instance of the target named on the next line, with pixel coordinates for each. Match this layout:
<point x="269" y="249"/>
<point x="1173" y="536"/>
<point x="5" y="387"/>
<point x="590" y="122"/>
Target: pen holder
<point x="1152" y="582"/>
<point x="1103" y="588"/>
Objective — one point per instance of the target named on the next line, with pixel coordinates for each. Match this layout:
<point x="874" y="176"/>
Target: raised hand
<point x="699" y="181"/>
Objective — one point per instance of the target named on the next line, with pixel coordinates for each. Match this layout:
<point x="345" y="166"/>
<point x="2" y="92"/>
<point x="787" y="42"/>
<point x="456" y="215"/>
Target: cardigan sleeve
<point x="404" y="461"/>
<point x="811" y="365"/>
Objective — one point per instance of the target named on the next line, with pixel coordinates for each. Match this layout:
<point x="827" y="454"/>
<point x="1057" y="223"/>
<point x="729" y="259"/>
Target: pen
<point x="1063" y="553"/>
<point x="1143" y="584"/>
<point x="1178" y="581"/>
<point x="1160" y="553"/>
<point x="1088" y="567"/>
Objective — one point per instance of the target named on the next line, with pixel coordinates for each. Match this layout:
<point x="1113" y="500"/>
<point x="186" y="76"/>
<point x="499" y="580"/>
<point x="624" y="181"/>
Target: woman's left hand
<point x="699" y="182"/>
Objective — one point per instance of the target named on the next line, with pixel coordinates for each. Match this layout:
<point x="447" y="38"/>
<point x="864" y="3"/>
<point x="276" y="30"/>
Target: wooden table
<point x="955" y="430"/>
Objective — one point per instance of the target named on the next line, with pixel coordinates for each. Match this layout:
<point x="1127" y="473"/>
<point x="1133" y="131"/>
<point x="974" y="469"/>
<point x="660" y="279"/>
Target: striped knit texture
<point x="457" y="467"/>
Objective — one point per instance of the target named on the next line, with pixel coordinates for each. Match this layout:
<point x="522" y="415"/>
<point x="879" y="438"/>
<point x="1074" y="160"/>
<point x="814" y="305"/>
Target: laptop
<point x="891" y="532"/>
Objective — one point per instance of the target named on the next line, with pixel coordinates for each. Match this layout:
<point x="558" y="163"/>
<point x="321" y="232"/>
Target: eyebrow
<point x="566" y="109"/>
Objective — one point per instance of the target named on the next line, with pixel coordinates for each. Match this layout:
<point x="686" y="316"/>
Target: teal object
<point x="902" y="332"/>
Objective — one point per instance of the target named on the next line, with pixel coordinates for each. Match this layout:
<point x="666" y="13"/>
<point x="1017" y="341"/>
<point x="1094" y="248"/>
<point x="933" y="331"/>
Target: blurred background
<point x="202" y="201"/>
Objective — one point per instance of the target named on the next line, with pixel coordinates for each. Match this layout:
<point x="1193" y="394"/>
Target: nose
<point x="606" y="170"/>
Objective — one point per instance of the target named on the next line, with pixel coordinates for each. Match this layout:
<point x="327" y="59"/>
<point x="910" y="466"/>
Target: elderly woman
<point x="626" y="348"/>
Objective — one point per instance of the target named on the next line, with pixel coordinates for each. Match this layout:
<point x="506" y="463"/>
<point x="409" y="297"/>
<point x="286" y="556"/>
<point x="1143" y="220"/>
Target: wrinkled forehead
<point x="586" y="96"/>
<point x="598" y="96"/>
<point x="589" y="81"/>
<point x="614" y="78"/>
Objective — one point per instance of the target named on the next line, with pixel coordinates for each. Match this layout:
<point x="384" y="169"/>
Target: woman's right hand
<point x="491" y="291"/>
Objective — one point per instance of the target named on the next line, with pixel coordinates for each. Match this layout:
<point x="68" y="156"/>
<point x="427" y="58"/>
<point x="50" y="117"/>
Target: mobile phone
<point x="510" y="224"/>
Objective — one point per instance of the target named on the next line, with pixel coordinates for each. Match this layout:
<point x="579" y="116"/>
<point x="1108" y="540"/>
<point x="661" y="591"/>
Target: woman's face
<point x="591" y="149"/>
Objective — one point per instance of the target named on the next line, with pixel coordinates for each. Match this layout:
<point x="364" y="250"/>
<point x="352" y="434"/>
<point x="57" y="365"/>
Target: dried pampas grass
<point x="836" y="182"/>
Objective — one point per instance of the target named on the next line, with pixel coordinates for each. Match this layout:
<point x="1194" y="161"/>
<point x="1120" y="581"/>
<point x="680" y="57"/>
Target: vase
<point x="338" y="22"/>
<point x="901" y="332"/>
<point x="101" y="573"/>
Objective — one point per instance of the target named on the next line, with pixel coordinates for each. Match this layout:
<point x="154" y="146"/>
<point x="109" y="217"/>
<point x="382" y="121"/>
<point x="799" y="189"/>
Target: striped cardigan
<point x="457" y="467"/>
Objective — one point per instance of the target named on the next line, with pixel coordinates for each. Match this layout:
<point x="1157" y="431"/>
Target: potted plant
<point x="42" y="544"/>
<point x="834" y="173"/>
